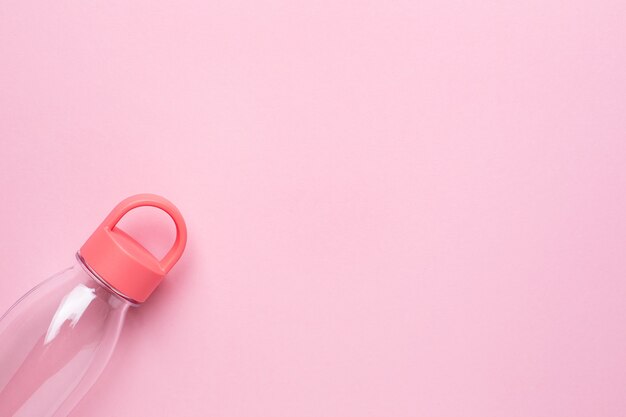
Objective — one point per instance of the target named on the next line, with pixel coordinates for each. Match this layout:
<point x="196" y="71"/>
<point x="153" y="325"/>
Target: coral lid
<point x="121" y="261"/>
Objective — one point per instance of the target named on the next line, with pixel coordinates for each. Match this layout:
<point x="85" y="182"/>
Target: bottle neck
<point x="116" y="296"/>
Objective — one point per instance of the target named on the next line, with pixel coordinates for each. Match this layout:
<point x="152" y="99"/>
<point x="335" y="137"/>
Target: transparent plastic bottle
<point x="57" y="339"/>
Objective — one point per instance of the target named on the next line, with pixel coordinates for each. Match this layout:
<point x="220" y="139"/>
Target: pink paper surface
<point x="395" y="208"/>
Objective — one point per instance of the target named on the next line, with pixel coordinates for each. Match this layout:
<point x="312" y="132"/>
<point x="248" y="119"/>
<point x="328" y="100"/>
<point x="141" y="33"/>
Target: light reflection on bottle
<point x="71" y="308"/>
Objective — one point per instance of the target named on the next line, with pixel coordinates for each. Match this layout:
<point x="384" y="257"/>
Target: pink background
<point x="396" y="208"/>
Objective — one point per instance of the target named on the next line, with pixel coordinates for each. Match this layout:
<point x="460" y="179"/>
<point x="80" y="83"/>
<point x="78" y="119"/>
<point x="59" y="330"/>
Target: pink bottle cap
<point x="122" y="262"/>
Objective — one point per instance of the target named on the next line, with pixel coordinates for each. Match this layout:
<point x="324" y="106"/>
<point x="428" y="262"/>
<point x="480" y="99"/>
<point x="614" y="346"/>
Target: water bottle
<point x="56" y="340"/>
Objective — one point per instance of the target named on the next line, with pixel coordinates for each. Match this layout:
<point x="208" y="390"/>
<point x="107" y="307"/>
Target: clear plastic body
<point x="55" y="342"/>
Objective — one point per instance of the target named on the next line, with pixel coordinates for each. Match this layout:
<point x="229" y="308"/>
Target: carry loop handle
<point x="153" y="200"/>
